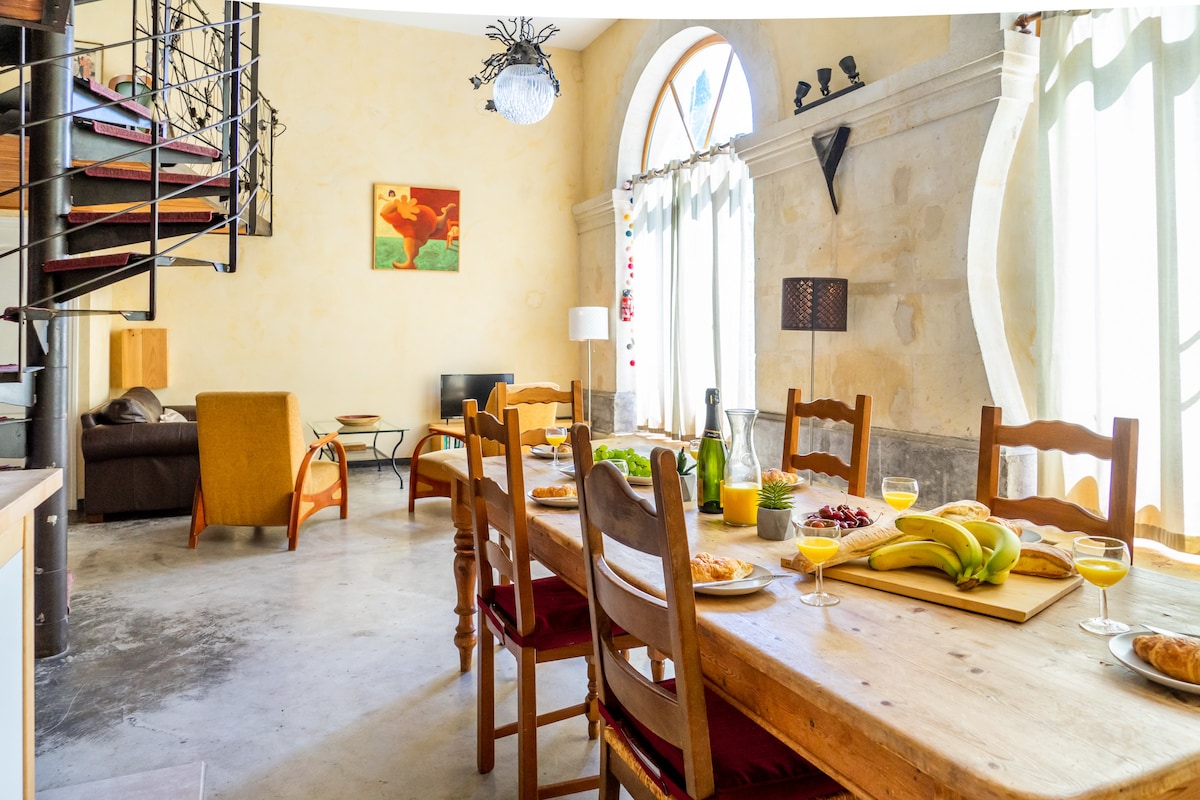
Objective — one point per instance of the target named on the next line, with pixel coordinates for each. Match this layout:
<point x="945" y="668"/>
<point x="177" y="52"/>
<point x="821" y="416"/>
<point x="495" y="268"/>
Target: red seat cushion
<point x="560" y="613"/>
<point x="749" y="763"/>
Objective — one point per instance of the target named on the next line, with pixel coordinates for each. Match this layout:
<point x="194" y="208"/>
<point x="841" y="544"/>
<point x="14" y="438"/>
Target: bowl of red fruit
<point x="840" y="516"/>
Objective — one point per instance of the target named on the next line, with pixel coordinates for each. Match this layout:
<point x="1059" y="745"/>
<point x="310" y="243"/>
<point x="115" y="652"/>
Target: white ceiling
<point x="580" y="26"/>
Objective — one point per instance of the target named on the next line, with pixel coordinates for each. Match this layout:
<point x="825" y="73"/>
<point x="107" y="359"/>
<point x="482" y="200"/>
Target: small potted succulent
<point x="775" y="510"/>
<point x="687" y="475"/>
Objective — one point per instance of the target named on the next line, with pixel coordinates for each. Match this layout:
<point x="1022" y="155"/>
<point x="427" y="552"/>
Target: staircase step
<point x="114" y="107"/>
<point x="98" y="141"/>
<point x="132" y="228"/>
<point x="113" y="260"/>
<point x="97" y="185"/>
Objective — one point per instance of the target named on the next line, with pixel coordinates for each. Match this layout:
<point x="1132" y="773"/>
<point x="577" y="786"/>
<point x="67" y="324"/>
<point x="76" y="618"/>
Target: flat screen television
<point x="457" y="388"/>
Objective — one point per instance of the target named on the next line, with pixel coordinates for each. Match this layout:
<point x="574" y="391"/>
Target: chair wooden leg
<point x="527" y="725"/>
<point x="593" y="712"/>
<point x="198" y="521"/>
<point x="658" y="669"/>
<point x="485" y="722"/>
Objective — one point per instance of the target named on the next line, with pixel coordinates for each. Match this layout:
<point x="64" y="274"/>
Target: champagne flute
<point x="1102" y="561"/>
<point x="818" y="545"/>
<point x="900" y="493"/>
<point x="555" y="436"/>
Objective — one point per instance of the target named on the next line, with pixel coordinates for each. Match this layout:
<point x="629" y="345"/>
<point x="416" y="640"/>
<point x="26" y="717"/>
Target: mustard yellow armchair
<point x="255" y="468"/>
<point x="537" y="407"/>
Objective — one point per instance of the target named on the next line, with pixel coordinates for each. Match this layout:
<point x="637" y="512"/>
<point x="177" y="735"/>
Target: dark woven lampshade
<point x="815" y="304"/>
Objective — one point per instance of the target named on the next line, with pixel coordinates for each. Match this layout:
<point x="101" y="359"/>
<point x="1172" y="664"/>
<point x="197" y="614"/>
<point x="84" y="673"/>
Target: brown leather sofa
<point x="133" y="463"/>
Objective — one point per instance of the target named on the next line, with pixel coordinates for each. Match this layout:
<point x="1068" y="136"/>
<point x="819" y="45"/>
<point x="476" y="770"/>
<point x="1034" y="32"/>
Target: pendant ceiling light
<point x="523" y="82"/>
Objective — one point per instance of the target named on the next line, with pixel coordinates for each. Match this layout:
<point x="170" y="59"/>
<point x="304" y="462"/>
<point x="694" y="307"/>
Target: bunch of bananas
<point x="970" y="552"/>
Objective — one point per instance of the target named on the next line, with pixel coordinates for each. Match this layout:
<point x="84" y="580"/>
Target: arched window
<point x="704" y="101"/>
<point x="693" y="241"/>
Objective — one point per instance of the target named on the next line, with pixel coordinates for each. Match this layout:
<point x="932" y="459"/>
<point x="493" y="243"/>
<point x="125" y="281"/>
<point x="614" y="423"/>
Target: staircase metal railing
<point x="201" y="55"/>
<point x="199" y="79"/>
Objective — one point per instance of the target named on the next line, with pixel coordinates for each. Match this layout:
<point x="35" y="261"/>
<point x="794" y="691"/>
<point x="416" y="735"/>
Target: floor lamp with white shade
<point x="588" y="324"/>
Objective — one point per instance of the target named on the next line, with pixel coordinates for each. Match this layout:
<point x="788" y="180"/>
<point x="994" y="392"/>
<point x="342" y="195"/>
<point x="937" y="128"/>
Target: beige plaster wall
<point x="366" y="102"/>
<point x="775" y="55"/>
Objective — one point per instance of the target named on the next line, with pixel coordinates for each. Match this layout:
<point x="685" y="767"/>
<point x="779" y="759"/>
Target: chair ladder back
<point x="541" y="401"/>
<point x="1044" y="435"/>
<point x="501" y="508"/>
<point x="608" y="508"/>
<point x="854" y="471"/>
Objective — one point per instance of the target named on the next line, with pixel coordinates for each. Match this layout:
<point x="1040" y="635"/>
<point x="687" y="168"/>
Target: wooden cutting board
<point x="1017" y="599"/>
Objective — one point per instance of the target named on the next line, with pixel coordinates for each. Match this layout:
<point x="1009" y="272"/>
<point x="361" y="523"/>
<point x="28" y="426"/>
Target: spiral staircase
<point x="111" y="182"/>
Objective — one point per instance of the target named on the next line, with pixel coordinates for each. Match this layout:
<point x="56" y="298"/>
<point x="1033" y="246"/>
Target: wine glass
<point x="818" y="545"/>
<point x="555" y="436"/>
<point x="900" y="493"/>
<point x="1102" y="561"/>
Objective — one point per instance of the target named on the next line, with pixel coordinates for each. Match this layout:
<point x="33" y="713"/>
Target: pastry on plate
<point x="780" y="475"/>
<point x="1177" y="656"/>
<point x="558" y="490"/>
<point x="706" y="567"/>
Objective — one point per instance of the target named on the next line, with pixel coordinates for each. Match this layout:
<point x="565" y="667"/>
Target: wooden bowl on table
<point x="357" y="420"/>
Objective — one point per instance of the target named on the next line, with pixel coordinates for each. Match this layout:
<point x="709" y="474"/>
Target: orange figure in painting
<point x="414" y="222"/>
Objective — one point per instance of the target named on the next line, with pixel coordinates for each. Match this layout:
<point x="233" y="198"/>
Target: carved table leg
<point x="464" y="575"/>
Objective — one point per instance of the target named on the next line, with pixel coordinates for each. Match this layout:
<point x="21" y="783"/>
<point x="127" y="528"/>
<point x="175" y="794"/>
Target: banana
<point x="917" y="554"/>
<point x="1006" y="549"/>
<point x="953" y="535"/>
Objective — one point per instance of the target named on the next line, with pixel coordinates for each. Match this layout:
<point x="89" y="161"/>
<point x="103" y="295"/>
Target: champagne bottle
<point x="710" y="462"/>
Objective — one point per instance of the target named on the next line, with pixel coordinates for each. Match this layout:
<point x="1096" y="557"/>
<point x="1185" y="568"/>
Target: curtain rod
<point x="677" y="164"/>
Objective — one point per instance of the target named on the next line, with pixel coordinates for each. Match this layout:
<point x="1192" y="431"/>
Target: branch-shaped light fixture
<point x="524" y="85"/>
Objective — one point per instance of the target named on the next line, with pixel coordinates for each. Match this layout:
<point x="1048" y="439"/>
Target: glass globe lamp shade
<point x="523" y="93"/>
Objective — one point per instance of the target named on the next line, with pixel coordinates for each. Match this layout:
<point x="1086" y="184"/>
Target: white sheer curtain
<point x="694" y="254"/>
<point x="1119" y="253"/>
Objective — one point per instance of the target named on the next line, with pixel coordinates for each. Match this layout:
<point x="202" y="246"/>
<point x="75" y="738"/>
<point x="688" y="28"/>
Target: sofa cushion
<point x="137" y="405"/>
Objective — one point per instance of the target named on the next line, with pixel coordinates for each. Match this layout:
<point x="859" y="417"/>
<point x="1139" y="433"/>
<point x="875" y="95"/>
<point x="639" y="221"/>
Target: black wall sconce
<point x="824" y="76"/>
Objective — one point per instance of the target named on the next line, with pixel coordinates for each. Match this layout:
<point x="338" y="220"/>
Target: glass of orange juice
<point x="1103" y="562"/>
<point x="900" y="493"/>
<point x="555" y="436"/>
<point x="818" y="545"/>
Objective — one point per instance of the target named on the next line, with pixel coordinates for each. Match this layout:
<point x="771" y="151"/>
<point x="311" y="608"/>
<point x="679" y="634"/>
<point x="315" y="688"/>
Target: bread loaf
<point x="856" y="544"/>
<point x="707" y="567"/>
<point x="1044" y="561"/>
<point x="962" y="511"/>
<point x="1008" y="523"/>
<point x="1177" y="656"/>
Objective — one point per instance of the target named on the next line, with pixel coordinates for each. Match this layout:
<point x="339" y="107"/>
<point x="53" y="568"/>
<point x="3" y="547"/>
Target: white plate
<point x="1121" y="646"/>
<point x="758" y="578"/>
<point x="547" y="452"/>
<point x="634" y="480"/>
<point x="555" y="502"/>
<point x="1028" y="535"/>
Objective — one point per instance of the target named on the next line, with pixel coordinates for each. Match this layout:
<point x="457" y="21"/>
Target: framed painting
<point x="415" y="227"/>
<point x="88" y="65"/>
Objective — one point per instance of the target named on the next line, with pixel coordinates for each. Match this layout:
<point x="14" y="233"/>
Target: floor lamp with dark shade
<point x="588" y="324"/>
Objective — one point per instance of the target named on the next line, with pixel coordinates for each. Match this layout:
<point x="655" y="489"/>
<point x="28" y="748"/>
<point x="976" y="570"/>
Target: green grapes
<point x="639" y="466"/>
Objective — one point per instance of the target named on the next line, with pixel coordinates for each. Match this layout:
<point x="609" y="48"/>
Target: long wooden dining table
<point x="902" y="698"/>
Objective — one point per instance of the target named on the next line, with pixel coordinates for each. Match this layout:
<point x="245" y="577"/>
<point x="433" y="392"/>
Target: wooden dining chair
<point x="674" y="738"/>
<point x="538" y="620"/>
<point x="1120" y="450"/>
<point x="538" y="405"/>
<point x="853" y="472"/>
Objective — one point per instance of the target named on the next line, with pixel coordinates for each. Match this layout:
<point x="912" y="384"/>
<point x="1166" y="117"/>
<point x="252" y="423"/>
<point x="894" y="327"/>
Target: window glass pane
<point x="679" y="130"/>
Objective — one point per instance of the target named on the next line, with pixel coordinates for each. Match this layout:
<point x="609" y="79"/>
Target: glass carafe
<point x="743" y="473"/>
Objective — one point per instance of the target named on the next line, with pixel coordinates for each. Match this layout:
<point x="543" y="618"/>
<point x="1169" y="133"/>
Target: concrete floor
<point x="329" y="672"/>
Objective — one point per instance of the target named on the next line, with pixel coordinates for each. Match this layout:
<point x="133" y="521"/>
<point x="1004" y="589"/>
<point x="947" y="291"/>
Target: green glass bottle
<point x="710" y="461"/>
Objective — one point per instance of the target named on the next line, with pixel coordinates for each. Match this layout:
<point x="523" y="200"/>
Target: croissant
<point x="1177" y="656"/>
<point x="561" y="490"/>
<point x="707" y="567"/>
